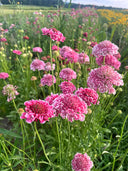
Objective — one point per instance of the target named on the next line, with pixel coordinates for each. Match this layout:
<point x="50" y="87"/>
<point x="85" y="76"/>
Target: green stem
<point x="58" y="139"/>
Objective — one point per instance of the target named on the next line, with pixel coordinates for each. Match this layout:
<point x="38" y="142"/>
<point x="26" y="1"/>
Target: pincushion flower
<point x="37" y="110"/>
<point x="48" y="66"/>
<point x="105" y="48"/>
<point x="50" y="99"/>
<point x="4" y="75"/>
<point x="70" y="106"/>
<point x="3" y="39"/>
<point x="81" y="162"/>
<point x="83" y="58"/>
<point x="102" y="79"/>
<point x="67" y="87"/>
<point x="88" y="95"/>
<point x="69" y="54"/>
<point x="37" y="49"/>
<point x="67" y="74"/>
<point x="48" y="80"/>
<point x="18" y="52"/>
<point x="37" y="64"/>
<point x="10" y="91"/>
<point x="54" y="47"/>
<point x="26" y="37"/>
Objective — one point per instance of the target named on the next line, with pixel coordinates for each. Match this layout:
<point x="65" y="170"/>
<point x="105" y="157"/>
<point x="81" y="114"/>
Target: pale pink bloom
<point x="3" y="39"/>
<point x="10" y="91"/>
<point x="69" y="54"/>
<point x="6" y="31"/>
<point x="12" y="25"/>
<point x="37" y="49"/>
<point x="4" y="75"/>
<point x="37" y="110"/>
<point x="67" y="74"/>
<point x="88" y="95"/>
<point x="102" y="79"/>
<point x="18" y="52"/>
<point x="83" y="58"/>
<point x="67" y="87"/>
<point x="50" y="99"/>
<point x="81" y="162"/>
<point x="70" y="106"/>
<point x="105" y="48"/>
<point x="1" y="24"/>
<point x="37" y="64"/>
<point x="48" y="66"/>
<point x="109" y="60"/>
<point x="48" y="80"/>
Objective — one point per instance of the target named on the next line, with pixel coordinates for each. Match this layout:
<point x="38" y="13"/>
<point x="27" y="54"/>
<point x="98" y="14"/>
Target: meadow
<point x="63" y="89"/>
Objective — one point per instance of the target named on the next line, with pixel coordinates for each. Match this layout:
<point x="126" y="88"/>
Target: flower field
<point x="63" y="90"/>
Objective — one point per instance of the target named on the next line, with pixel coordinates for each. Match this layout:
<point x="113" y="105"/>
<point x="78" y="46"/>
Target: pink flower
<point x="88" y="95"/>
<point x="70" y="106"/>
<point x="3" y="39"/>
<point x="4" y="75"/>
<point x="93" y="44"/>
<point x="83" y="58"/>
<point x="48" y="80"/>
<point x="109" y="60"/>
<point x="50" y="99"/>
<point x="54" y="47"/>
<point x="67" y="87"/>
<point x="81" y="162"/>
<point x="10" y="91"/>
<point x="17" y="52"/>
<point x="12" y="25"/>
<point x="105" y="48"/>
<point x="48" y="66"/>
<point x="37" y="110"/>
<point x="67" y="74"/>
<point x="117" y="55"/>
<point x="85" y="34"/>
<point x="26" y="37"/>
<point x="37" y="49"/>
<point x="103" y="79"/>
<point x="69" y="54"/>
<point x="37" y="64"/>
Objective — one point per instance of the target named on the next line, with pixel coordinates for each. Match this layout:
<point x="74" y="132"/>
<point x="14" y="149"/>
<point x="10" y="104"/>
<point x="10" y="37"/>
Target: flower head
<point x="37" y="64"/>
<point x="81" y="162"/>
<point x="10" y="91"/>
<point x="3" y="39"/>
<point x="83" y="58"/>
<point x="70" y="106"/>
<point x="67" y="74"/>
<point x="50" y="99"/>
<point x="67" y="87"/>
<point x="18" y="52"/>
<point x="37" y="49"/>
<point x="37" y="110"/>
<point x="4" y="75"/>
<point x="48" y="66"/>
<point x="48" y="80"/>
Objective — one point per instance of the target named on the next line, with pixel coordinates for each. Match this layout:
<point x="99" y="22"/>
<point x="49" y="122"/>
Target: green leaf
<point x="8" y="132"/>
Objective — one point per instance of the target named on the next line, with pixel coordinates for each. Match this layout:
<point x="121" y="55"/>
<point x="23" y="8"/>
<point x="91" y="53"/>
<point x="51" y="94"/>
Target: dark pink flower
<point x="67" y="74"/>
<point x="4" y="75"/>
<point x="3" y="39"/>
<point x="48" y="80"/>
<point x="81" y="162"/>
<point x="37" y="64"/>
<point x="26" y="37"/>
<point x="37" y="49"/>
<point x="37" y="110"/>
<point x="50" y="99"/>
<point x="83" y="58"/>
<point x="17" y="52"/>
<point x="54" y="47"/>
<point x="85" y="34"/>
<point x="67" y="87"/>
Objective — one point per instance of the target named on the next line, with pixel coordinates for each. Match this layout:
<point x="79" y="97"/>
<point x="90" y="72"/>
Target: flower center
<point x="38" y="108"/>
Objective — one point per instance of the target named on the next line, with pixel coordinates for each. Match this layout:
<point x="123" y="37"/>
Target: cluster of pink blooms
<point x="54" y="34"/>
<point x="67" y="87"/>
<point x="70" y="106"/>
<point x="10" y="91"/>
<point x="3" y="39"/>
<point x="69" y="54"/>
<point x="18" y="52"/>
<point x="67" y="74"/>
<point x="37" y="49"/>
<point x="83" y="58"/>
<point x="4" y="75"/>
<point x="48" y="80"/>
<point x="88" y="95"/>
<point x="81" y="162"/>
<point x="50" y="99"/>
<point x="37" y="64"/>
<point x="37" y="110"/>
<point x="103" y="79"/>
<point x="49" y="67"/>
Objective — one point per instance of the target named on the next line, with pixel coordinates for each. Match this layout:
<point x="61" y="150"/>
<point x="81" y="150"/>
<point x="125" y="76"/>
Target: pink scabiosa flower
<point x="88" y="95"/>
<point x="81" y="162"/>
<point x="4" y="75"/>
<point x="18" y="52"/>
<point x="83" y="58"/>
<point x="70" y="106"/>
<point x="26" y="37"/>
<point x="67" y="74"/>
<point x="118" y="56"/>
<point x="48" y="66"/>
<point x="105" y="48"/>
<point x="37" y="64"/>
<point x="37" y="110"/>
<point x="67" y="87"/>
<point x="85" y="34"/>
<point x="10" y="91"/>
<point x="102" y="79"/>
<point x="48" y="80"/>
<point x="3" y="39"/>
<point x="37" y="49"/>
<point x="69" y="54"/>
<point x="109" y="60"/>
<point x="93" y="44"/>
<point x="54" y="47"/>
<point x="50" y="99"/>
